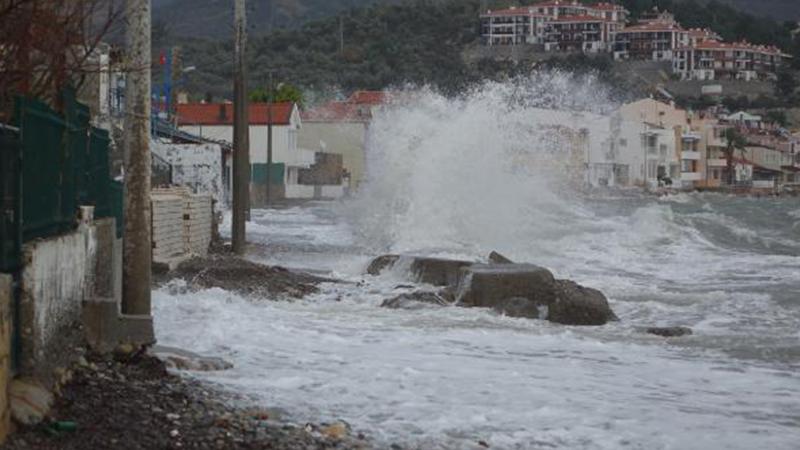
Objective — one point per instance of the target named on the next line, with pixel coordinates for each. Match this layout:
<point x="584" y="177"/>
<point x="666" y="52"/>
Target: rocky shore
<point x="131" y="401"/>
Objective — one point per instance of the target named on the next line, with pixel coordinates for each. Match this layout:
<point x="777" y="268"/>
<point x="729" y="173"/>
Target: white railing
<point x="691" y="176"/>
<point x="717" y="163"/>
<point x="690" y="155"/>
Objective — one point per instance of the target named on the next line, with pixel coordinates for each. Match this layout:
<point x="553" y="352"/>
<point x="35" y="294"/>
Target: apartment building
<point x="715" y="60"/>
<point x="555" y="25"/>
<point x="655" y="40"/>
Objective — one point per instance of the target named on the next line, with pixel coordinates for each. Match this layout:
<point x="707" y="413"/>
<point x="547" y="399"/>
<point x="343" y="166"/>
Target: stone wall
<point x="58" y="275"/>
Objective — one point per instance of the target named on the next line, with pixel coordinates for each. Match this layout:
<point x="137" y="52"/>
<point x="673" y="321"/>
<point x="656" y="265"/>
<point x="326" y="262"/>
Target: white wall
<point x="57" y="276"/>
<point x="281" y="150"/>
<point x="198" y="167"/>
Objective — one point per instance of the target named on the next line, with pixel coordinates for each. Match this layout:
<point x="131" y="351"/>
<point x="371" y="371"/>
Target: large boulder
<point x="488" y="285"/>
<point x="669" y="332"/>
<point x="521" y="307"/>
<point x="527" y="290"/>
<point x="418" y="300"/>
<point x="577" y="305"/>
<point x="435" y="271"/>
<point x="497" y="258"/>
<point x="381" y="263"/>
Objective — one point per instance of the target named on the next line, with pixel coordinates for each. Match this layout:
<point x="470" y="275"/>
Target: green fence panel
<point x="65" y="164"/>
<point x="10" y="198"/>
<point x="44" y="138"/>
<point x="258" y="173"/>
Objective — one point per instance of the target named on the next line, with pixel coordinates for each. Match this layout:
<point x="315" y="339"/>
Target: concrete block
<point x="58" y="274"/>
<point x="488" y="285"/>
<point x="106" y="328"/>
<point x="435" y="271"/>
<point x="104" y="279"/>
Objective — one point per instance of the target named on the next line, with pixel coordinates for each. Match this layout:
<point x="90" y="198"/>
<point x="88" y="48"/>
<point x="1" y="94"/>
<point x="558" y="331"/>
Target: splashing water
<point x="491" y="171"/>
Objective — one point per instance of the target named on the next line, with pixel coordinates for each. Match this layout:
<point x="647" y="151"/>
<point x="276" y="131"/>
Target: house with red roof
<point x="215" y="121"/>
<point x="341" y="127"/>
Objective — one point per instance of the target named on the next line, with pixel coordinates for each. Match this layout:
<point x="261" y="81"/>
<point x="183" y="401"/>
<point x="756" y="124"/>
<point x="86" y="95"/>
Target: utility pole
<point x="341" y="35"/>
<point x="241" y="131"/>
<point x="137" y="252"/>
<point x="270" y="101"/>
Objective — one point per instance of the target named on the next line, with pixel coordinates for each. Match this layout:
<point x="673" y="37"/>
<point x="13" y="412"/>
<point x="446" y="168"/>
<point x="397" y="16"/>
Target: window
<point x="623" y="142"/>
<point x="663" y="150"/>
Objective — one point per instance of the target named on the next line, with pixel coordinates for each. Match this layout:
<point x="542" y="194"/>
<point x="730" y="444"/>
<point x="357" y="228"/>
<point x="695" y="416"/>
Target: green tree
<point x="283" y="93"/>
<point x="735" y="141"/>
<point x="785" y="85"/>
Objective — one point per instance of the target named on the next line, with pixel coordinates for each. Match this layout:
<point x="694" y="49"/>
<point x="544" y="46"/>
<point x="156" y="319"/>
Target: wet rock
<point x="180" y="359"/>
<point x="489" y="285"/>
<point x="30" y="401"/>
<point x="497" y="258"/>
<point x="578" y="305"/>
<point x="381" y="263"/>
<point x="669" y="332"/>
<point x="246" y="277"/>
<point x="435" y="271"/>
<point x="417" y="300"/>
<point x="336" y="431"/>
<point x="521" y="307"/>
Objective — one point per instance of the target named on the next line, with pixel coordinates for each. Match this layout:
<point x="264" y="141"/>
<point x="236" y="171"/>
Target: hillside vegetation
<point x="420" y="42"/>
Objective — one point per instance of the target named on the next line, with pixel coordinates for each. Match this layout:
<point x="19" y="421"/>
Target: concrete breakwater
<point x="516" y="290"/>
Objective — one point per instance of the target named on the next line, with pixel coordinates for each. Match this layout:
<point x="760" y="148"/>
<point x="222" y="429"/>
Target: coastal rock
<point x="489" y="285"/>
<point x="435" y="271"/>
<point x="417" y="300"/>
<point x="30" y="401"/>
<point x="497" y="258"/>
<point x="669" y="332"/>
<point x="381" y="263"/>
<point x="521" y="307"/>
<point x="578" y="305"/>
<point x="179" y="359"/>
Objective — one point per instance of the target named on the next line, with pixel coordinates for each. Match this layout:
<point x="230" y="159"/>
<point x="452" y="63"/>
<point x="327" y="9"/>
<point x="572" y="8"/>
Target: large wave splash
<point x="487" y="169"/>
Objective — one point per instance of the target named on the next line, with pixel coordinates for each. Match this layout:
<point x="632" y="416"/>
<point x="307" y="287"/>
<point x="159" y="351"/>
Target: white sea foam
<point x="446" y="179"/>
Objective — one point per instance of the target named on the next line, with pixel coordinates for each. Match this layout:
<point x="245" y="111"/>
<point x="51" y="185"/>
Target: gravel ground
<point x="132" y="402"/>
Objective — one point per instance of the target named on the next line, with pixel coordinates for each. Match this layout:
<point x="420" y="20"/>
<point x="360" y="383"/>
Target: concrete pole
<point x="137" y="240"/>
<point x="241" y="131"/>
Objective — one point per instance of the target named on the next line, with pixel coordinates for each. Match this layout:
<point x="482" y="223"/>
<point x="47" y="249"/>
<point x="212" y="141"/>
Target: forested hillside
<point x="416" y="41"/>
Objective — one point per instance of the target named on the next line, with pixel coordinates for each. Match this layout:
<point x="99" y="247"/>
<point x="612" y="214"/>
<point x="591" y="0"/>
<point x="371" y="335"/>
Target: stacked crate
<point x="182" y="224"/>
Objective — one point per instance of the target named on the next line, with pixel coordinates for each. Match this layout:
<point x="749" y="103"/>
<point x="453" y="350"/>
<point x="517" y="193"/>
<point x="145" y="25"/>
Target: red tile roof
<point x="513" y="12"/>
<point x="654" y="26"/>
<point x="716" y="45"/>
<point x="222" y="113"/>
<point x="338" y="112"/>
<point x="369" y="97"/>
<point x="581" y="18"/>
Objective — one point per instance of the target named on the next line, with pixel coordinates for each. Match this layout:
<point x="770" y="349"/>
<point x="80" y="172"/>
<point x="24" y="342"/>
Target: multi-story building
<point x="576" y="33"/>
<point x="513" y="26"/>
<point x="715" y="60"/>
<point x="585" y="27"/>
<point x="654" y="40"/>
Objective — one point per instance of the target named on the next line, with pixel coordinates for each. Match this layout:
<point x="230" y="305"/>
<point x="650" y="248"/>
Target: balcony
<point x="690" y="155"/>
<point x="691" y="176"/>
<point x="717" y="163"/>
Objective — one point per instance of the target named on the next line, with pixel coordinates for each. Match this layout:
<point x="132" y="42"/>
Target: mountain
<point x="214" y="18"/>
<point x="780" y="10"/>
